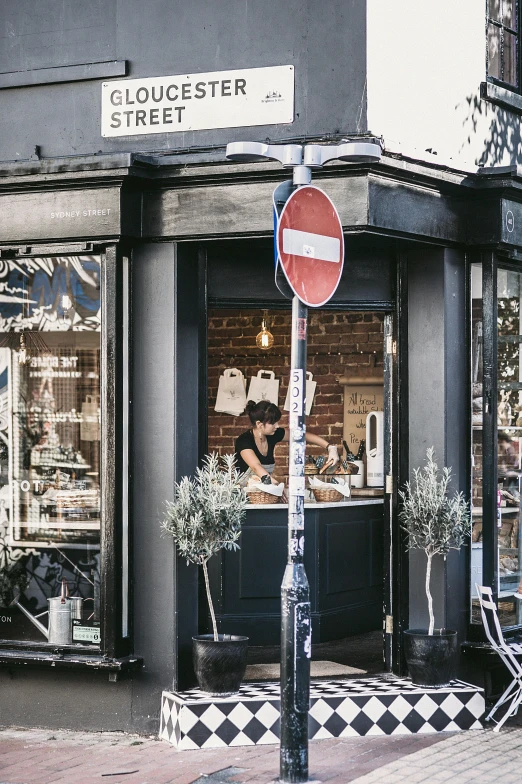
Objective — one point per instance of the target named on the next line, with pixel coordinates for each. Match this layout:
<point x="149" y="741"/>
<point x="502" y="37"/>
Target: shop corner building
<point x="136" y="263"/>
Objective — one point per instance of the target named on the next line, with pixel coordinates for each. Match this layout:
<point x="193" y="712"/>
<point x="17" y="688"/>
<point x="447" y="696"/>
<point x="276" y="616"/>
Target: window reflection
<point x="510" y="58"/>
<point x="509" y="424"/>
<point x="494" y="68"/>
<point x="509" y="12"/>
<point x="50" y="448"/>
<point x="494" y="10"/>
<point x="502" y="41"/>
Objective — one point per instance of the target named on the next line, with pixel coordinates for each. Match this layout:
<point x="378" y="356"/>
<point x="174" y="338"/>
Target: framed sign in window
<point x="361" y="397"/>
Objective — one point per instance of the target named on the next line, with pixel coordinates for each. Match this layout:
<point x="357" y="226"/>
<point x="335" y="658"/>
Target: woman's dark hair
<point x="264" y="412"/>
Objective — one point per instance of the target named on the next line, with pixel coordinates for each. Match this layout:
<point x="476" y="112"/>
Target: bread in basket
<point x="326" y="488"/>
<point x="258" y="493"/>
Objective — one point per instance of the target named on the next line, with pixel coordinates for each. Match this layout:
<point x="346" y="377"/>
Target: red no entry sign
<point x="310" y="245"/>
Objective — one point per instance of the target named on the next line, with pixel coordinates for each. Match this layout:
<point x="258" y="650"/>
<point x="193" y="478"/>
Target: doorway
<point x="346" y="362"/>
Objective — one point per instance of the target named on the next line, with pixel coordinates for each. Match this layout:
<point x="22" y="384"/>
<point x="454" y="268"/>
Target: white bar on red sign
<point x="311" y="246"/>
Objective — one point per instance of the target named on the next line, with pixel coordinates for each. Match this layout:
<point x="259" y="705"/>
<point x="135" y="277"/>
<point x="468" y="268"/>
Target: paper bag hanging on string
<point x="231" y="397"/>
<point x="310" y="394"/>
<point x="90" y="424"/>
<point x="264" y="386"/>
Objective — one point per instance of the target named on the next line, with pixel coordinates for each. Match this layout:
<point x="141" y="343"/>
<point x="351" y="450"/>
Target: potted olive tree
<point x="435" y="522"/>
<point x="205" y="517"/>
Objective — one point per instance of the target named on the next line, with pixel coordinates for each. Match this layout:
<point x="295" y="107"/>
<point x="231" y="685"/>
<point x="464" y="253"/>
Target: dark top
<point x="247" y="441"/>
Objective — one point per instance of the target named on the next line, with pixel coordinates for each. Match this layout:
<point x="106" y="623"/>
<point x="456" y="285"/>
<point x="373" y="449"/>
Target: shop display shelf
<point x="60" y="464"/>
<point x="510" y="338"/>
<point x="477" y="511"/>
<point x="507" y="593"/>
<point x="91" y="545"/>
<point x="76" y="509"/>
<point x="74" y="525"/>
<point x="502" y="428"/>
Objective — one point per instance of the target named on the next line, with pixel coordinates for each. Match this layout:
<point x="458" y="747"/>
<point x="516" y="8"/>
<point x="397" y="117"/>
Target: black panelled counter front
<point x="343" y="561"/>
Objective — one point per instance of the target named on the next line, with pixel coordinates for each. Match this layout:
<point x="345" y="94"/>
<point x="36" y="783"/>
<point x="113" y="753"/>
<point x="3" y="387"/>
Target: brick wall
<point x="339" y="344"/>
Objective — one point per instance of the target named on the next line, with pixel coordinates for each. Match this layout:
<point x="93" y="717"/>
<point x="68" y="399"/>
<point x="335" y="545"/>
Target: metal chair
<point x="507" y="652"/>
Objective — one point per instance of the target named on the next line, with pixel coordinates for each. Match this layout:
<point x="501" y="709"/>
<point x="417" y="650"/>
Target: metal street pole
<point x="296" y="627"/>
<point x="296" y="630"/>
<point x="296" y="622"/>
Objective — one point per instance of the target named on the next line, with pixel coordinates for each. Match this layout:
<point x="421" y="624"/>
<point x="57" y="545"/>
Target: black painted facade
<point x="185" y="218"/>
<point x="63" y="118"/>
<point x="343" y="562"/>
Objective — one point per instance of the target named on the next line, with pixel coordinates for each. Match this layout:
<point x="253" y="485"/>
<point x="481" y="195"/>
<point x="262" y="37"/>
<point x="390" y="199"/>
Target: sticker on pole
<point x="310" y="245"/>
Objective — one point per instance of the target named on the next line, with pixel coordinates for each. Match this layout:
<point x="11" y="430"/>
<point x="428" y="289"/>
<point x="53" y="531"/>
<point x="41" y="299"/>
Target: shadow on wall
<point x="500" y="129"/>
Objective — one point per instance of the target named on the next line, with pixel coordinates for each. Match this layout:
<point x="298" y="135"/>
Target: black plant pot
<point x="219" y="666"/>
<point x="431" y="658"/>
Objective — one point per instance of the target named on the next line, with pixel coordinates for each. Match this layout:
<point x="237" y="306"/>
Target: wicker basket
<point x="310" y="469"/>
<point x="260" y="497"/>
<point x="326" y="495"/>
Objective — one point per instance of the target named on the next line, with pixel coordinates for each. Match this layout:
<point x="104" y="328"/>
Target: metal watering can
<point x="62" y="610"/>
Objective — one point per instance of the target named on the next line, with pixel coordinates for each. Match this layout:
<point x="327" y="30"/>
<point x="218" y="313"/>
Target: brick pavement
<point x="61" y="757"/>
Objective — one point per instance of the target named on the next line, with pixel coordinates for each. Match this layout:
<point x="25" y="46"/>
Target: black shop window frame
<point x="490" y="264"/>
<point x="114" y="654"/>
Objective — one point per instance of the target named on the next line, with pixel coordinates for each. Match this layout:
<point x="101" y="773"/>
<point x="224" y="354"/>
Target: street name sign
<point x="194" y="102"/>
<point x="310" y="245"/>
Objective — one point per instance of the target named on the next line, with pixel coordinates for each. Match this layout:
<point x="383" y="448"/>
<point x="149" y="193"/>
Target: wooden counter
<point x="343" y="561"/>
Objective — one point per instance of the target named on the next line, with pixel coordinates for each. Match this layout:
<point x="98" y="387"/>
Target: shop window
<point x="50" y="457"/>
<point x="496" y="555"/>
<point x="503" y="42"/>
<point x="509" y="440"/>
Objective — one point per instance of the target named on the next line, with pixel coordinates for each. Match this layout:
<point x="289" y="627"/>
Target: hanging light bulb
<point x="24" y="355"/>
<point x="264" y="339"/>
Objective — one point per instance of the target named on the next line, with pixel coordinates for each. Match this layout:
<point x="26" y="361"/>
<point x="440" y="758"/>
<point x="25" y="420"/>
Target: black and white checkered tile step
<point x="338" y="709"/>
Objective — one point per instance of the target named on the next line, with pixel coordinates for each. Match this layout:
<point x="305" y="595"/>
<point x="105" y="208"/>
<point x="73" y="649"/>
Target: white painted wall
<point x="425" y="63"/>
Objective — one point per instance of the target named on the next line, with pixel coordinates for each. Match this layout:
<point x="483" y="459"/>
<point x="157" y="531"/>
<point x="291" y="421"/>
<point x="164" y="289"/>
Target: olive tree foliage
<point x="433" y="521"/>
<point x="206" y="514"/>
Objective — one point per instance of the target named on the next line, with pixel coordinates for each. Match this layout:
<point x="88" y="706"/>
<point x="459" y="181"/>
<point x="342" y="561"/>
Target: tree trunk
<point x="428" y="594"/>
<point x="209" y="597"/>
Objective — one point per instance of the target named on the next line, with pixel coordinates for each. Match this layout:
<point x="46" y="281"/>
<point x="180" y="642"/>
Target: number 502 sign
<point x="296" y="396"/>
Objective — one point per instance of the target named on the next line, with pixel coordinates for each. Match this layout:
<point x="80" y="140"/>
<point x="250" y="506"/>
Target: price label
<point x="86" y="633"/>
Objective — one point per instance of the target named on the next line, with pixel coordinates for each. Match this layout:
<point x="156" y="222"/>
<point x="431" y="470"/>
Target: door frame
<point x="396" y="611"/>
<point x="395" y="566"/>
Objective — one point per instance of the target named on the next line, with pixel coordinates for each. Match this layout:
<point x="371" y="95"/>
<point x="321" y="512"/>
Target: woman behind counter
<point x="255" y="447"/>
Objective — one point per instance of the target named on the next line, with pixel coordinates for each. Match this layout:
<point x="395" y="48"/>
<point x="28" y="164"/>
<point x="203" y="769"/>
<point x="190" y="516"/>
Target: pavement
<point x="62" y="757"/>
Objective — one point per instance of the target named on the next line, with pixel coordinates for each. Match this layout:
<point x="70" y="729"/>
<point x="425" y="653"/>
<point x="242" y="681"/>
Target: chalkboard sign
<point x="361" y="396"/>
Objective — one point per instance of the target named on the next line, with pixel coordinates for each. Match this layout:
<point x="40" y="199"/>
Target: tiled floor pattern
<point x="338" y="709"/>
